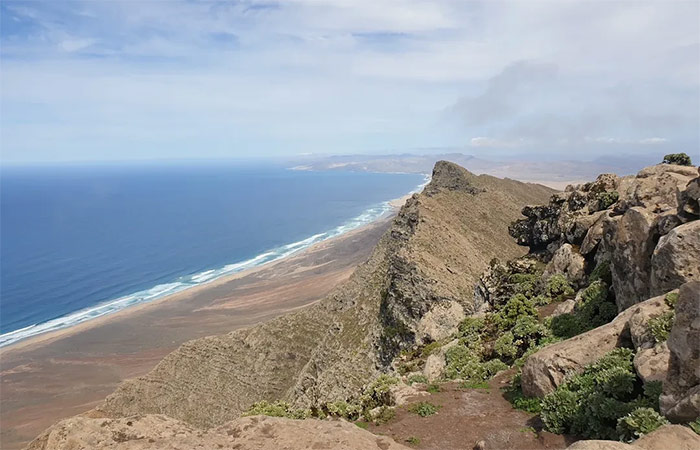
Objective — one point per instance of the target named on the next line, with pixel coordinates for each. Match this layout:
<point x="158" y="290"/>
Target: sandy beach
<point x="66" y="372"/>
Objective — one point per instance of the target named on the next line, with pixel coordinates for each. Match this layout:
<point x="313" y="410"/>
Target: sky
<point x="109" y="80"/>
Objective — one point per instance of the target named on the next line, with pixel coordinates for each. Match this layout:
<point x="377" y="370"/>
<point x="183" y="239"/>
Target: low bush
<point x="602" y="272"/>
<point x="671" y="299"/>
<point x="464" y="363"/>
<point x="494" y="366"/>
<point x="558" y="287"/>
<point x="384" y="415"/>
<point x="518" y="306"/>
<point x="430" y="348"/>
<point x="639" y="422"/>
<point x="276" y="409"/>
<point x="660" y="326"/>
<point x="514" y="394"/>
<point x="595" y="309"/>
<point x="682" y="159"/>
<point x="424" y="409"/>
<point x="417" y="379"/>
<point x="433" y="388"/>
<point x="589" y="404"/>
<point x="341" y="408"/>
<point x="606" y="199"/>
<point x="377" y="393"/>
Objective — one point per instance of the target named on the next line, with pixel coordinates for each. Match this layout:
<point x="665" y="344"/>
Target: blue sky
<point x="110" y="80"/>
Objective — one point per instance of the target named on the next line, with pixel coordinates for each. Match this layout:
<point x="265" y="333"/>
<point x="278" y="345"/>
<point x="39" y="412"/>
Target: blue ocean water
<point x="79" y="242"/>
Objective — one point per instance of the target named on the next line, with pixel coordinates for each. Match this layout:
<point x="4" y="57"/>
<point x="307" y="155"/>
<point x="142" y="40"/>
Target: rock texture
<point x="546" y="369"/>
<point x="645" y="226"/>
<point x="680" y="401"/>
<point x="156" y="432"/>
<point x="430" y="258"/>
<point x="669" y="437"/>
<point x="651" y="364"/>
<point x="676" y="258"/>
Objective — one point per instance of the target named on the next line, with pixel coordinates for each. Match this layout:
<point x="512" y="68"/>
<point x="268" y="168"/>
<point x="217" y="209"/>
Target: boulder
<point x="640" y="332"/>
<point x="667" y="437"/>
<point x="546" y="369"/>
<point x="630" y="242"/>
<point x="434" y="367"/>
<point x="578" y="225"/>
<point x="676" y="258"/>
<point x="401" y="393"/>
<point x="567" y="261"/>
<point x="680" y="401"/>
<point x="594" y="234"/>
<point x="690" y="199"/>
<point x="657" y="188"/>
<point x="674" y="437"/>
<point x="565" y="307"/>
<point x="651" y="364"/>
<point x="440" y="322"/>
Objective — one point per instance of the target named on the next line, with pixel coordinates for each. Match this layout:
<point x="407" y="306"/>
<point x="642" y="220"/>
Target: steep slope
<point x="417" y="284"/>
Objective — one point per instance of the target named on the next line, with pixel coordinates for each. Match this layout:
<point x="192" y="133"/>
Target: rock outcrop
<point x="680" y="401"/>
<point x="158" y="432"/>
<point x="546" y="369"/>
<point x="644" y="225"/>
<point x="669" y="437"/>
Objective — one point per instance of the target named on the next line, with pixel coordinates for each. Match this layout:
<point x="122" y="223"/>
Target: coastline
<point x="186" y="285"/>
<point x="69" y="371"/>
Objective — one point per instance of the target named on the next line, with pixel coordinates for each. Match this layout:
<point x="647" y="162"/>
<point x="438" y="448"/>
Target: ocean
<point x="80" y="242"/>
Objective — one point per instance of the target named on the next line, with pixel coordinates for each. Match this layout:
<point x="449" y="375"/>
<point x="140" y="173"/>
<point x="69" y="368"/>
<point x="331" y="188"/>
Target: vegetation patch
<point x="276" y="409"/>
<point x="639" y="422"/>
<point x="558" y="287"/>
<point x="412" y="440"/>
<point x="590" y="404"/>
<point x="682" y="159"/>
<point x="660" y="326"/>
<point x="417" y="379"/>
<point x="424" y="409"/>
<point x="433" y="388"/>
<point x="596" y="308"/>
<point x="606" y="199"/>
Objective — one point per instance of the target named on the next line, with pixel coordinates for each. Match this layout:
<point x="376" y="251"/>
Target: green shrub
<point x="424" y="409"/>
<point x="541" y="300"/>
<point x="471" y="326"/>
<point x="589" y="404"/>
<point x="412" y="440"/>
<point x="607" y="199"/>
<point x="494" y="366"/>
<point x="384" y="415"/>
<point x="341" y="408"/>
<point x="681" y="159"/>
<point x="430" y="348"/>
<point x="433" y="388"/>
<point x="362" y="424"/>
<point x="695" y="425"/>
<point x="417" y="379"/>
<point x="276" y="409"/>
<point x="506" y="346"/>
<point x="652" y="392"/>
<point x="558" y="287"/>
<point x="514" y="394"/>
<point x="475" y="385"/>
<point x="463" y="363"/>
<point x="516" y="307"/>
<point x="377" y="393"/>
<point x="596" y="308"/>
<point x="602" y="272"/>
<point x="566" y="326"/>
<point x="639" y="422"/>
<point x="660" y="326"/>
<point x="671" y="299"/>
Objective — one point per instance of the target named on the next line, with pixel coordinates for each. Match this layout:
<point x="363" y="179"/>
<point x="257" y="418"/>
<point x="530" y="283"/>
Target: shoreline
<point x="390" y="208"/>
<point x="66" y="372"/>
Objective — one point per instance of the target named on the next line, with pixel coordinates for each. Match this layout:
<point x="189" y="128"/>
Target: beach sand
<point x="63" y="373"/>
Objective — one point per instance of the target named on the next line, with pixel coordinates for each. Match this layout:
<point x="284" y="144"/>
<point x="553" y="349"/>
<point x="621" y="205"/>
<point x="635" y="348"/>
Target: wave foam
<point x="188" y="281"/>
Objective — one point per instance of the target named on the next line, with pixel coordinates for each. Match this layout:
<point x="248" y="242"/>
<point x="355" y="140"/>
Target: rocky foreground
<point x="596" y="326"/>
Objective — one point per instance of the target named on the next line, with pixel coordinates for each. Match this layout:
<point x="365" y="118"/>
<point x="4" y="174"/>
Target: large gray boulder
<point x="680" y="401"/>
<point x="651" y="364"/>
<point x="676" y="258"/>
<point x="546" y="369"/>
<point x="629" y="240"/>
<point x="568" y="262"/>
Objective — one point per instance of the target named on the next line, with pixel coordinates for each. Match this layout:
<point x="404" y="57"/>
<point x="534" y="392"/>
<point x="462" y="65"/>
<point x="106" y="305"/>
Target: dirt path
<point x="467" y="416"/>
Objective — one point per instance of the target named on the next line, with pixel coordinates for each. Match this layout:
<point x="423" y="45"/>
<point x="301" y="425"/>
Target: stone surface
<point x="566" y="307"/>
<point x="669" y="437"/>
<point x="680" y="400"/>
<point x="567" y="261"/>
<point x="651" y="364"/>
<point x="546" y="369"/>
<point x="157" y="432"/>
<point x="640" y="332"/>
<point x="630" y="243"/>
<point x="594" y="234"/>
<point x="676" y="258"/>
<point x="440" y="322"/>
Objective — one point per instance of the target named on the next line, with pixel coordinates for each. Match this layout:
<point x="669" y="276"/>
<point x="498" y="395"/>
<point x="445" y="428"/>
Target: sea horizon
<point x="368" y="213"/>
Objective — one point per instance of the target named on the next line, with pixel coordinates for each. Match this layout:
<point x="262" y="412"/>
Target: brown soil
<point x="467" y="416"/>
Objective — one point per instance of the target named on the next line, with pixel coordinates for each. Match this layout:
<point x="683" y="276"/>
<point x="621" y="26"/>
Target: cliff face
<point x="417" y="284"/>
